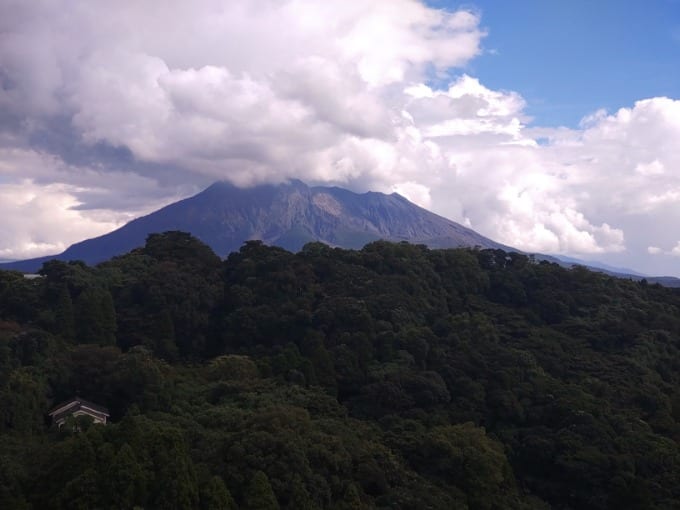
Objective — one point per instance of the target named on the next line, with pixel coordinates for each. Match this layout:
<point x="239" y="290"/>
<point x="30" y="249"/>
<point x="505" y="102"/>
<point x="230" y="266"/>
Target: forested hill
<point x="392" y="377"/>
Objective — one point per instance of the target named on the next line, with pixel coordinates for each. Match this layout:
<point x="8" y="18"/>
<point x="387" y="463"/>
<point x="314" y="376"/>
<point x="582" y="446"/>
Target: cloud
<point x="30" y="213"/>
<point x="466" y="108"/>
<point x="654" y="167"/>
<point x="416" y="193"/>
<point x="106" y="95"/>
<point x="41" y="215"/>
<point x="608" y="187"/>
<point x="110" y="109"/>
<point x="673" y="252"/>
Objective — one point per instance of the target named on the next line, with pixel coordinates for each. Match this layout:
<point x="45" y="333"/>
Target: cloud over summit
<point x="171" y="96"/>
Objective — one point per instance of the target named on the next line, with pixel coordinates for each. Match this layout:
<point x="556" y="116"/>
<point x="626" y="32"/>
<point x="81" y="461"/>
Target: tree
<point x="95" y="317"/>
<point x="22" y="401"/>
<point x="125" y="480"/>
<point x="164" y="332"/>
<point x="324" y="370"/>
<point x="259" y="494"/>
<point x="300" y="499"/>
<point x="216" y="496"/>
<point x="65" y="321"/>
<point x="174" y="484"/>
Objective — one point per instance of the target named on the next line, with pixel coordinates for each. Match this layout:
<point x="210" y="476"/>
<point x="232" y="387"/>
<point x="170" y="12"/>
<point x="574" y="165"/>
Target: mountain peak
<point x="289" y="214"/>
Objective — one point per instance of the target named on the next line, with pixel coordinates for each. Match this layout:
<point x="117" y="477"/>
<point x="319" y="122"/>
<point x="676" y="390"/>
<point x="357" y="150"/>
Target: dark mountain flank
<point x="287" y="215"/>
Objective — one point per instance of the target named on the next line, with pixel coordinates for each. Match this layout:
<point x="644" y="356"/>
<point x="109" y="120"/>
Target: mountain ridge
<point x="290" y="215"/>
<point x="287" y="215"/>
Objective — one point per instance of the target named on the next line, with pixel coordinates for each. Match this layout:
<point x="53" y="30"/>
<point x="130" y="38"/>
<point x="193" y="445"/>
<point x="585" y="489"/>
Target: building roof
<point x="77" y="403"/>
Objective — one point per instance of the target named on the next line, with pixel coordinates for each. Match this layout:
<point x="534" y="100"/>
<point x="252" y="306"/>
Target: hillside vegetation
<point x="390" y="377"/>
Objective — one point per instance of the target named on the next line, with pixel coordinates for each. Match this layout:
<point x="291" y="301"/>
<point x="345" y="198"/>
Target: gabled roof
<point x="79" y="403"/>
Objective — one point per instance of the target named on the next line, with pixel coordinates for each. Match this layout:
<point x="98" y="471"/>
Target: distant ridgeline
<point x="394" y="376"/>
<point x="291" y="215"/>
<point x="288" y="215"/>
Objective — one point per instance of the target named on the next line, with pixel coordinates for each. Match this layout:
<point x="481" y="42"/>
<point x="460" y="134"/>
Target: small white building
<point x="31" y="276"/>
<point x="78" y="407"/>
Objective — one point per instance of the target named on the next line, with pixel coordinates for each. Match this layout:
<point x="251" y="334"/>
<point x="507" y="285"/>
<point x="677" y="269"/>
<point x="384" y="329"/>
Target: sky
<point x="550" y="126"/>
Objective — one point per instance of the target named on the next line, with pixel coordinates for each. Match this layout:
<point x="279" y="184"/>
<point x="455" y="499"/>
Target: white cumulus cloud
<point x="127" y="105"/>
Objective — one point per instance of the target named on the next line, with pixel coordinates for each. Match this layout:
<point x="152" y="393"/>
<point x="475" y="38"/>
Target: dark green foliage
<point x="64" y="315"/>
<point x="166" y="295"/>
<point x="173" y="482"/>
<point x="96" y="317"/>
<point x="232" y="367"/>
<point x="19" y="297"/>
<point x="463" y="456"/>
<point x="125" y="482"/>
<point x="216" y="496"/>
<point x="259" y="494"/>
<point x="391" y="377"/>
<point x="23" y="401"/>
<point x="300" y="498"/>
<point x="164" y="343"/>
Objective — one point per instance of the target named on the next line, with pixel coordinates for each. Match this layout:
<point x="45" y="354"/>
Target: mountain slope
<point x="287" y="215"/>
<point x="599" y="267"/>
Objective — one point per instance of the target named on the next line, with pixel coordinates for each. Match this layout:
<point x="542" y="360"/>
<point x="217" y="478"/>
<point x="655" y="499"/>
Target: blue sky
<point x="568" y="58"/>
